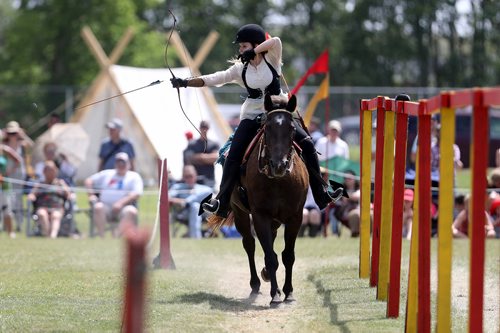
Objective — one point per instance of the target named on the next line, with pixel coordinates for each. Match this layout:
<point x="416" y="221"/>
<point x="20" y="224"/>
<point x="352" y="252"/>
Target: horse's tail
<point x="215" y="222"/>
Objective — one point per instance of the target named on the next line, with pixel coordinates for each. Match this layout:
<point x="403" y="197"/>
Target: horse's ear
<point x="268" y="103"/>
<point x="292" y="104"/>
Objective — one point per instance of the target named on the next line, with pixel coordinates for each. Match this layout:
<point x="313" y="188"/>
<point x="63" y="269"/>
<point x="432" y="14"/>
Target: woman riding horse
<point x="258" y="70"/>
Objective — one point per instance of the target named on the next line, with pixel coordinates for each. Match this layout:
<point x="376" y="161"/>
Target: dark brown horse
<point x="276" y="183"/>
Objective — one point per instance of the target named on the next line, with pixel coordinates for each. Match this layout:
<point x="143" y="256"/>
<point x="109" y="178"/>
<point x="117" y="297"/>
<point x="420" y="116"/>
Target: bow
<point x="165" y="58"/>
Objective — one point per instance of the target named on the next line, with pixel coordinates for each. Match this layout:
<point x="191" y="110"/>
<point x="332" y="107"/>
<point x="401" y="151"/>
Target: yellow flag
<point x="321" y="94"/>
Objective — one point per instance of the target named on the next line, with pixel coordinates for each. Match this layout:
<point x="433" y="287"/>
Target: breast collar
<point x="274" y="88"/>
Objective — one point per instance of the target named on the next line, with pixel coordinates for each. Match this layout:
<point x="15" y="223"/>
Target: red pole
<point x="165" y="260"/>
<point x="424" y="211"/>
<point x="397" y="211"/>
<point x="133" y="312"/>
<point x="479" y="161"/>
<point x="377" y="200"/>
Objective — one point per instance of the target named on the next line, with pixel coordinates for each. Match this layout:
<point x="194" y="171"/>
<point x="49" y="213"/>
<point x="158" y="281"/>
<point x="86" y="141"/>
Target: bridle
<point x="264" y="154"/>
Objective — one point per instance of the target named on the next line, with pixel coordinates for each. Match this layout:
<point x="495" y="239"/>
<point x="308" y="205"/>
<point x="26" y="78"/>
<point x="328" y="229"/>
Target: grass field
<point x="68" y="285"/>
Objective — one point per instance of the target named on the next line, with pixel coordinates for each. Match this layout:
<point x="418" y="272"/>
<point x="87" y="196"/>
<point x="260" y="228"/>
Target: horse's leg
<point x="288" y="257"/>
<point x="264" y="230"/>
<point x="242" y="223"/>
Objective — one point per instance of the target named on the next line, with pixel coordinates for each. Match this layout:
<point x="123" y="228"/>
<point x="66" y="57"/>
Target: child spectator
<point x="407" y="213"/>
<point x="460" y="227"/>
<point x="311" y="216"/>
<point x="495" y="216"/>
<point x="347" y="210"/>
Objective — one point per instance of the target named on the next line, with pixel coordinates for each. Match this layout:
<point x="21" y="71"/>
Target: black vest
<point x="274" y="88"/>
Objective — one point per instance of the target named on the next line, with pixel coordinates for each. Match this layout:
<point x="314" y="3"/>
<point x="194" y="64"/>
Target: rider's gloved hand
<point x="178" y="82"/>
<point x="247" y="55"/>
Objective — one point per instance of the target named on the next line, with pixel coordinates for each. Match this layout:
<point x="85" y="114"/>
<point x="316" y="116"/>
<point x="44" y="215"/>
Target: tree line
<point x="443" y="43"/>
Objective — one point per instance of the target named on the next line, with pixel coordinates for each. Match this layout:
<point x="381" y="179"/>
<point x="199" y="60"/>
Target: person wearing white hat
<point x="114" y="144"/>
<point x="118" y="189"/>
<point x="332" y="145"/>
<point x="16" y="138"/>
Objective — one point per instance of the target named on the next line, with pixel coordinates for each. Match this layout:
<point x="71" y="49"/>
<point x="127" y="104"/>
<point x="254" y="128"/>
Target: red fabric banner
<point x="319" y="66"/>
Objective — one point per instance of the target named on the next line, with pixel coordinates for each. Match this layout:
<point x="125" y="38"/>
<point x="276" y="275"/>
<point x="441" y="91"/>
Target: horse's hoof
<point x="290" y="298"/>
<point x="276" y="301"/>
<point x="264" y="275"/>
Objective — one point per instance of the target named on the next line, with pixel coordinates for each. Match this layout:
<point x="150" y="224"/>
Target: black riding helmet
<point x="250" y="33"/>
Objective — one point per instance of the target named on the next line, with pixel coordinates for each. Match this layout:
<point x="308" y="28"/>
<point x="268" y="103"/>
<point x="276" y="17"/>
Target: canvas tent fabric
<point x="152" y="118"/>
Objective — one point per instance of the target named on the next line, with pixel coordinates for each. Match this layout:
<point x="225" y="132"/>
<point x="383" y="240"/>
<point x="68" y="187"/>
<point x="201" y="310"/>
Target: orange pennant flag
<point x="321" y="94"/>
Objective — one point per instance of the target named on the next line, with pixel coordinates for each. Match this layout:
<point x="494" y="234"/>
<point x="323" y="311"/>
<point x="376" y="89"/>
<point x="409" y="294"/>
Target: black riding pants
<point x="246" y="131"/>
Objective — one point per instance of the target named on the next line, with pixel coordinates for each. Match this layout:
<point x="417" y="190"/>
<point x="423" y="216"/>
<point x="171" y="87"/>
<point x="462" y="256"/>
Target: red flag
<point x="319" y="66"/>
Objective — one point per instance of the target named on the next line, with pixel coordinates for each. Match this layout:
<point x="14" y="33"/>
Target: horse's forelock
<point x="275" y="102"/>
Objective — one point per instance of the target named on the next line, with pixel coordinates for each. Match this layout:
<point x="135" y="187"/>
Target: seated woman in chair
<point x="49" y="197"/>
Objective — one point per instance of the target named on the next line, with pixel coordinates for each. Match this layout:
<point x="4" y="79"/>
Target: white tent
<point x="152" y="117"/>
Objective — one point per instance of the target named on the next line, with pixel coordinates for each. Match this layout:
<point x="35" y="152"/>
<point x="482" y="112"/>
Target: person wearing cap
<point x="6" y="170"/>
<point x="407" y="212"/>
<point x="332" y="145"/>
<point x="16" y="138"/>
<point x="258" y="70"/>
<point x="118" y="190"/>
<point x="202" y="154"/>
<point x="115" y="144"/>
<point x="495" y="215"/>
<point x="186" y="196"/>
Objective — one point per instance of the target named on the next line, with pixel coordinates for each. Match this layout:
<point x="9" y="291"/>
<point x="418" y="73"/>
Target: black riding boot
<point x="221" y="204"/>
<point x="323" y="194"/>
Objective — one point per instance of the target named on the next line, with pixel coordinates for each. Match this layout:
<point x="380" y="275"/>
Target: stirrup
<point x="334" y="194"/>
<point x="212" y="206"/>
<point x="337" y="191"/>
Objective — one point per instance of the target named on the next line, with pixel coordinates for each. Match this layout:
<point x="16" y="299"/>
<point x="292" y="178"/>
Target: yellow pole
<point x="446" y="171"/>
<point x="386" y="209"/>
<point x="366" y="160"/>
<point x="412" y="299"/>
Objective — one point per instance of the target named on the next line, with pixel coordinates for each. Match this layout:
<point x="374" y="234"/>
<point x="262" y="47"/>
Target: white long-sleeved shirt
<point x="257" y="77"/>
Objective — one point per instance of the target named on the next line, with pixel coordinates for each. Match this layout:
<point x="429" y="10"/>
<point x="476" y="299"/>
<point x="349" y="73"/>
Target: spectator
<point x="314" y="129"/>
<point x="459" y="205"/>
<point x="54" y="118"/>
<point x="119" y="189"/>
<point x="347" y="210"/>
<point x="6" y="169"/>
<point x="460" y="227"/>
<point x="202" y="154"/>
<point x="66" y="170"/>
<point x="189" y="136"/>
<point x="436" y="154"/>
<point x="311" y="216"/>
<point x="48" y="198"/>
<point x="186" y="196"/>
<point x="407" y="213"/>
<point x="332" y="145"/>
<point x="115" y="144"/>
<point x="17" y="140"/>
<point x="497" y="158"/>
<point x="495" y="215"/>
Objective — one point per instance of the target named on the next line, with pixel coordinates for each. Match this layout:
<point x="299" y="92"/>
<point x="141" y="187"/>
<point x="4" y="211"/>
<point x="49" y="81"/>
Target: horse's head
<point x="279" y="133"/>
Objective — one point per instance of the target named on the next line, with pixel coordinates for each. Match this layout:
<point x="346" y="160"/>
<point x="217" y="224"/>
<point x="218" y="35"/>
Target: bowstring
<point x="165" y="58"/>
